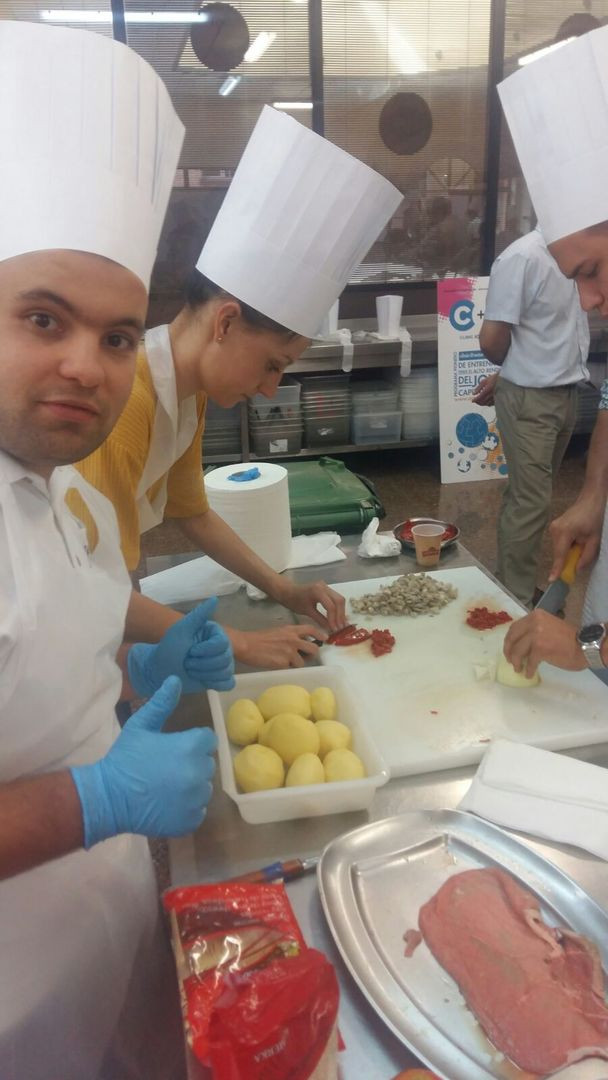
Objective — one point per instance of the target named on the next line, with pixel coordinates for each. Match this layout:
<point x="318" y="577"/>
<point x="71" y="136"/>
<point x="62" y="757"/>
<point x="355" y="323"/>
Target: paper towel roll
<point x="257" y="510"/>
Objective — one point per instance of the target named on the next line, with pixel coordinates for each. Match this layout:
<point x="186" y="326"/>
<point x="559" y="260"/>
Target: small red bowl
<point x="403" y="531"/>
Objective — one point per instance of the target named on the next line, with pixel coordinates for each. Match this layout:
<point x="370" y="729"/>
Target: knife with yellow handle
<point x="554" y="596"/>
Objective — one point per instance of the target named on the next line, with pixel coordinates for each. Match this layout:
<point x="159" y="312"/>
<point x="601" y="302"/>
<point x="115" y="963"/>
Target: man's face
<point x="70" y="325"/>
<point x="583" y="256"/>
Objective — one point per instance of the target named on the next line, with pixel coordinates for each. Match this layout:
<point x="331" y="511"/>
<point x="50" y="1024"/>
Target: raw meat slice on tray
<point x="536" y="990"/>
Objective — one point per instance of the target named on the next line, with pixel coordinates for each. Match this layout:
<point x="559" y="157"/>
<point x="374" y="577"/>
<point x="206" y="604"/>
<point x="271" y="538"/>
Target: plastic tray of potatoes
<point x="286" y="803"/>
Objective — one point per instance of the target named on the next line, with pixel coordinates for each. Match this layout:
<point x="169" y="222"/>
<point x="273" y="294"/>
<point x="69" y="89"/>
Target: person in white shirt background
<point x="557" y="113"/>
<point x="535" y="329"/>
<point x="87" y="987"/>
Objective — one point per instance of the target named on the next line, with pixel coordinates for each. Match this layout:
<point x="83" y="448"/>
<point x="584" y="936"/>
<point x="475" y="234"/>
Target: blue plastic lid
<point x="245" y="474"/>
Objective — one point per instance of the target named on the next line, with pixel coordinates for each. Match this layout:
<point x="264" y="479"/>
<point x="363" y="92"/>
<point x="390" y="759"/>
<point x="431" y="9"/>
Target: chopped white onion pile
<point x="412" y="594"/>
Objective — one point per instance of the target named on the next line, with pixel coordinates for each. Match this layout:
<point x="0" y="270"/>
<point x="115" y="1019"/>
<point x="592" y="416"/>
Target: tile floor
<point x="408" y="485"/>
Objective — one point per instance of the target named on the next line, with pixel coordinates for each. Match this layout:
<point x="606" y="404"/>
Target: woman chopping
<point x="299" y="215"/>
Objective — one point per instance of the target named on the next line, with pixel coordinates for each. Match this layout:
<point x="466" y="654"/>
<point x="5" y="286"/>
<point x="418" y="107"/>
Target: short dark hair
<point x="200" y="291"/>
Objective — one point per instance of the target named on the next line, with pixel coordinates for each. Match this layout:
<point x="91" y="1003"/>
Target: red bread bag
<point x="258" y="1004"/>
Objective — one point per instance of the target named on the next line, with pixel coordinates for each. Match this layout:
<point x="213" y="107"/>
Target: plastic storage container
<point x="326" y="410"/>
<point x="284" y="404"/>
<point x="275" y="424"/>
<point x="284" y="804"/>
<point x="275" y="437"/>
<point x="375" y="394"/>
<point x="222" y="432"/>
<point x="331" y="429"/>
<point x="376" y="427"/>
<point x="419" y="401"/>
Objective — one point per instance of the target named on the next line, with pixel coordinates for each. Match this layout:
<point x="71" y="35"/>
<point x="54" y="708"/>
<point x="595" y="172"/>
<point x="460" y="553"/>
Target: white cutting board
<point x="425" y="708"/>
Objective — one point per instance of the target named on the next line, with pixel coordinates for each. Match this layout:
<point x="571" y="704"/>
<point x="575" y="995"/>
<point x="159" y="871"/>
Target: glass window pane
<point x="219" y="109"/>
<point x="94" y="14"/>
<point x="531" y="25"/>
<point x="405" y="91"/>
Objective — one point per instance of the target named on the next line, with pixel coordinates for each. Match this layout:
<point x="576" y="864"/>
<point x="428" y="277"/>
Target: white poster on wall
<point x="469" y="437"/>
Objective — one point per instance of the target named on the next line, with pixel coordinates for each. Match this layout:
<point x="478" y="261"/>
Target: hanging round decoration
<point x="406" y="123"/>
<point x="576" y="25"/>
<point x="221" y="39"/>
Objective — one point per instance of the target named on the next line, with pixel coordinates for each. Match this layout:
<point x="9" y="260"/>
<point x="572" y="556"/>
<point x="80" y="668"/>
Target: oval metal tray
<point x="373" y="882"/>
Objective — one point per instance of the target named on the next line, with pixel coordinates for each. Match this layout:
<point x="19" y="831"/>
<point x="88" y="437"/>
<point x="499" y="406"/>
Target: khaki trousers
<point x="535" y="426"/>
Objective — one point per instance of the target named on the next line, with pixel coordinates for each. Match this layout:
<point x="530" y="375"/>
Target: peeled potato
<point x="291" y="735"/>
<point x="258" y="768"/>
<point x="342" y="765"/>
<point x="244" y="722"/>
<point x="265" y="733"/>
<point x="333" y="736"/>
<point x="284" y="699"/>
<point x="306" y="769"/>
<point x="323" y="704"/>
<point x="508" y="676"/>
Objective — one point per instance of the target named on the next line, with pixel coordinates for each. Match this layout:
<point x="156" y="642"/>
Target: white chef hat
<point x="89" y="144"/>
<point x="299" y="214"/>
<point x="557" y="111"/>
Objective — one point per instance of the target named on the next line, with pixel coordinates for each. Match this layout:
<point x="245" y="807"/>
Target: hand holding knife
<point x="555" y="595"/>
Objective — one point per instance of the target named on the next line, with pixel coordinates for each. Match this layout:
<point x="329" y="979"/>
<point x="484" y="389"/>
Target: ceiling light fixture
<point x="229" y="85"/>
<point x="77" y="16"/>
<point x="258" y="46"/>
<point x="529" y="57"/>
<point x="292" y="104"/>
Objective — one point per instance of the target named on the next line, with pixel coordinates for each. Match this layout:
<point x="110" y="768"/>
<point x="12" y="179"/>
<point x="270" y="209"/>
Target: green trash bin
<point x="324" y="494"/>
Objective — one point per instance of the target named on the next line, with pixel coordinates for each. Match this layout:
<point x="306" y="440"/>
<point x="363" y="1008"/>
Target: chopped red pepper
<point x="331" y="640"/>
<point x="349" y="635"/>
<point x="382" y="642"/>
<point x="481" y="618"/>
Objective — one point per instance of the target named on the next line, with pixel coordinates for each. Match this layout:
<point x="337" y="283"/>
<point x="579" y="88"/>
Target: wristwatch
<point x="590" y="639"/>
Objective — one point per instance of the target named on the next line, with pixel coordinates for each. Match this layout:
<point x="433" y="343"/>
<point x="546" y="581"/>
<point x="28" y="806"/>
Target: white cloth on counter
<point x="542" y="793"/>
<point x="190" y="581"/>
<point x="344" y="337"/>
<point x="348" y="349"/>
<point x="405" y="360"/>
<point x="198" y="578"/>
<point x="375" y="545"/>
<point x="316" y="550"/>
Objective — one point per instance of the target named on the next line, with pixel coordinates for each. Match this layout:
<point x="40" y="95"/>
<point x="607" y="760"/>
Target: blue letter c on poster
<point x="461" y="315"/>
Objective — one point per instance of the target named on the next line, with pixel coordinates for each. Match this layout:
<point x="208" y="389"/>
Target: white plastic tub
<point x="285" y="404"/>
<point x="284" y="804"/>
<point x="376" y="427"/>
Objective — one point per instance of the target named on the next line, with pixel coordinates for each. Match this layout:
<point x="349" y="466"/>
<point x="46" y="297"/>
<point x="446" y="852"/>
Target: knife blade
<point x="555" y="595"/>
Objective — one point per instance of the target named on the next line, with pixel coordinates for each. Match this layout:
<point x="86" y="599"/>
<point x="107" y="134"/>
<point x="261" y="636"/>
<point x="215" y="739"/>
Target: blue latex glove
<point x="150" y="783"/>
<point x="194" y="648"/>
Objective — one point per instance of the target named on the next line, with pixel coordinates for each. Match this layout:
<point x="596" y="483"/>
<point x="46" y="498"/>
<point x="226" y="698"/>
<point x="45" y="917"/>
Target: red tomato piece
<point x="349" y="635"/>
<point x="382" y="642"/>
<point x="481" y="618"/>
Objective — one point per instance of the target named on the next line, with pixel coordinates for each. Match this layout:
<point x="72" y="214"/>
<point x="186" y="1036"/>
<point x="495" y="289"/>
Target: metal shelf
<point x="217" y="459"/>
<point x="326" y="357"/>
<point x="349" y="448"/>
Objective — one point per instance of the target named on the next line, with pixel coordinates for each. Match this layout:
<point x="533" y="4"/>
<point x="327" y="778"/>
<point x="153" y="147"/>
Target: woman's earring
<point x="219" y="339"/>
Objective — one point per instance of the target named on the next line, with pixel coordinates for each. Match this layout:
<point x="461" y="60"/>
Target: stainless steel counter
<point x="226" y="845"/>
